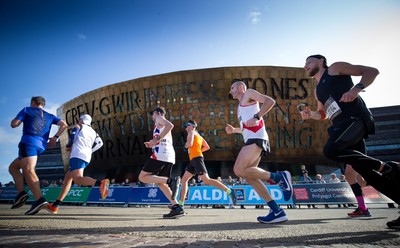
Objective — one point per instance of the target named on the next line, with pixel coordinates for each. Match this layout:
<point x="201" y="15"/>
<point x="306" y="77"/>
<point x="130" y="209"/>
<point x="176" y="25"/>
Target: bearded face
<point x="313" y="71"/>
<point x="311" y="67"/>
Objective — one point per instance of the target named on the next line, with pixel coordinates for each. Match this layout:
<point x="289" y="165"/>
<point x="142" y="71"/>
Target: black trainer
<point x="36" y="206"/>
<point x="394" y="224"/>
<point x="173" y="184"/>
<point x="176" y="212"/>
<point x="20" y="199"/>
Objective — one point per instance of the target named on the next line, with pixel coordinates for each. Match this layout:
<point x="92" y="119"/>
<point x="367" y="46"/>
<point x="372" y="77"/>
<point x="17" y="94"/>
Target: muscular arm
<point x="204" y="146"/>
<point x="307" y="113"/>
<point x="252" y="96"/>
<point x="255" y="96"/>
<point x="368" y="75"/>
<point x="160" y="120"/>
<point x="62" y="125"/>
<point x="189" y="139"/>
<point x="15" y="123"/>
<point x="229" y="129"/>
<point x="164" y="122"/>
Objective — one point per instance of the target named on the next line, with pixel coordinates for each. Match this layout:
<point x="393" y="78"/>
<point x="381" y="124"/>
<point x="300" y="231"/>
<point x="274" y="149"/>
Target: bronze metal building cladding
<point x="121" y="116"/>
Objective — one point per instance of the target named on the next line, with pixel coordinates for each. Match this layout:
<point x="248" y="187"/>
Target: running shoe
<point x="286" y="185"/>
<point x="170" y="206"/>
<point x="359" y="213"/>
<point x="273" y="217"/>
<point x="394" y="224"/>
<point x="52" y="208"/>
<point x="232" y="195"/>
<point x="105" y="183"/>
<point x="37" y="206"/>
<point x="176" y="212"/>
<point x="173" y="185"/>
<point x="20" y="199"/>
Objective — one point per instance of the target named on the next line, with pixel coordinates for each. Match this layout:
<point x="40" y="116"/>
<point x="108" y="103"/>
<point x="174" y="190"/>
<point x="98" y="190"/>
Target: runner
<point x="257" y="143"/>
<point x="83" y="141"/>
<point x="196" y="145"/>
<point x="158" y="167"/>
<point x="35" y="138"/>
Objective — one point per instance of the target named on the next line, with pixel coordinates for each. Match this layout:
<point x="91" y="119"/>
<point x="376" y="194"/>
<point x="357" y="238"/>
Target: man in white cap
<point x="83" y="141"/>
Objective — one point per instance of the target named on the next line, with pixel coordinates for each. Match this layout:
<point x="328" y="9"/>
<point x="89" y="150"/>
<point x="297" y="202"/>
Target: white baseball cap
<point x="86" y="119"/>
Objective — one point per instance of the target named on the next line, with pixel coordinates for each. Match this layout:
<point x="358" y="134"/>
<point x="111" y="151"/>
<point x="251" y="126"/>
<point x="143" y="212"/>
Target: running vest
<point x="246" y="113"/>
<point x="195" y="149"/>
<point x="331" y="88"/>
<point x="83" y="142"/>
<point x="164" y="150"/>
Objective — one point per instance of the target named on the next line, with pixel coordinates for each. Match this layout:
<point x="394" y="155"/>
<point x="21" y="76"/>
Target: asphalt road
<point x="92" y="226"/>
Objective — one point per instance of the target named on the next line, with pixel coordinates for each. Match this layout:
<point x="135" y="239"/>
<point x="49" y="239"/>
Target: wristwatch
<point x="360" y="86"/>
<point x="256" y="116"/>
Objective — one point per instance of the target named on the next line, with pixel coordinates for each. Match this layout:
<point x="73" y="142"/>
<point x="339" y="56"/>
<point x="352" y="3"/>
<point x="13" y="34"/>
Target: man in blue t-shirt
<point x="35" y="138"/>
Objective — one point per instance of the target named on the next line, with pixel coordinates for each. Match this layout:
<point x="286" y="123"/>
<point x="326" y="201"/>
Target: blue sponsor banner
<point x="8" y="193"/>
<point x="115" y="195"/>
<point x="329" y="193"/>
<point x="245" y="194"/>
<point x="147" y="195"/>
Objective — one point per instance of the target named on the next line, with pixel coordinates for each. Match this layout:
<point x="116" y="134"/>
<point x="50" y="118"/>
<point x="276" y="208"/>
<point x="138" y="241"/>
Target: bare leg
<point x="260" y="188"/>
<point x="15" y="171"/>
<point x="167" y="192"/>
<point x="209" y="181"/>
<point x="184" y="185"/>
<point x="66" y="186"/>
<point x="147" y="177"/>
<point x="361" y="181"/>
<point x="78" y="178"/>
<point x="28" y="165"/>
<point x="246" y="164"/>
<point x="351" y="175"/>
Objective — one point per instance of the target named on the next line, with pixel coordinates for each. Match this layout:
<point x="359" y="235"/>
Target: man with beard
<point x="339" y="101"/>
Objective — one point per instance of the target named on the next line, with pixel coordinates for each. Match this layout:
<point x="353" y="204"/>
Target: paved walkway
<point x="143" y="227"/>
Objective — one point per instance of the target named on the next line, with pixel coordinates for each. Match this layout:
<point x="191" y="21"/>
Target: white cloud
<point x="10" y="135"/>
<point x="255" y="16"/>
<point x="81" y="37"/>
<point x="5" y="176"/>
<point x="52" y="108"/>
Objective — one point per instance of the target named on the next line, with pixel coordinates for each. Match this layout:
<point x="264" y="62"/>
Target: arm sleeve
<point x="72" y="136"/>
<point x="98" y="142"/>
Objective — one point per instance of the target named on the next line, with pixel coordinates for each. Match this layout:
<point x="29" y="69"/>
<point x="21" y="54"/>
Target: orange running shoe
<point x="105" y="183"/>
<point x="51" y="208"/>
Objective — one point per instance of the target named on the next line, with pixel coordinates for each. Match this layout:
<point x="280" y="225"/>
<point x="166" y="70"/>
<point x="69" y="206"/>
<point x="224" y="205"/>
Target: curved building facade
<point x="121" y="116"/>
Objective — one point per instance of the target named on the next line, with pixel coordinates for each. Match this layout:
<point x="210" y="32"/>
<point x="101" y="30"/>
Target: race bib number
<point x="332" y="109"/>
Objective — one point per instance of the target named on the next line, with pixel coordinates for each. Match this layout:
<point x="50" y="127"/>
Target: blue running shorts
<point x="27" y="150"/>
<point x="76" y="164"/>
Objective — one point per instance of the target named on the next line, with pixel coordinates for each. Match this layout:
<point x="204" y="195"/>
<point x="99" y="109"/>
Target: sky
<point x="62" y="49"/>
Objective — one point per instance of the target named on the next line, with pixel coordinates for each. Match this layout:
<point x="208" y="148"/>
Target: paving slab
<point x="95" y="226"/>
